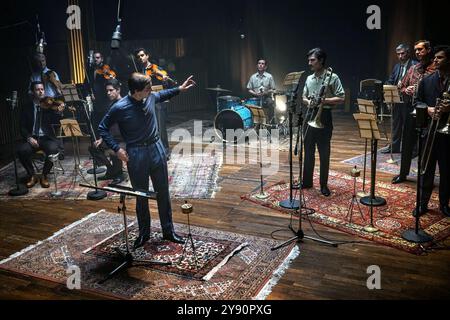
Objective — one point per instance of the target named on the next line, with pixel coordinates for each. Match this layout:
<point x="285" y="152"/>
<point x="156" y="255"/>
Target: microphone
<point x="91" y="58"/>
<point x="13" y="99"/>
<point x="116" y="38"/>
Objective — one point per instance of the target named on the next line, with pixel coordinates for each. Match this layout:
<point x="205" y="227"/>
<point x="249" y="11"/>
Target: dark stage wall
<point x="281" y="31"/>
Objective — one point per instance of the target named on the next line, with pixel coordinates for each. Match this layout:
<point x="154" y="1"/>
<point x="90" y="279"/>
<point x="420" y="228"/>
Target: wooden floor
<point x="320" y="272"/>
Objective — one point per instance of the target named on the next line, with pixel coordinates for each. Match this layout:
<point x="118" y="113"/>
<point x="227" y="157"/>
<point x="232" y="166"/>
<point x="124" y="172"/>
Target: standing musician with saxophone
<point x="333" y="94"/>
<point x="408" y="88"/>
<point x="434" y="92"/>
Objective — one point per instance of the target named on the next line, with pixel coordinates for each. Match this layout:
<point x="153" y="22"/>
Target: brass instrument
<point x="318" y="102"/>
<point x="433" y="129"/>
<point x="414" y="97"/>
<point x="445" y="130"/>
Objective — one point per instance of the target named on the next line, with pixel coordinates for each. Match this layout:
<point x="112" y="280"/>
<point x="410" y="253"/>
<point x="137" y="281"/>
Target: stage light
<point x="280" y="103"/>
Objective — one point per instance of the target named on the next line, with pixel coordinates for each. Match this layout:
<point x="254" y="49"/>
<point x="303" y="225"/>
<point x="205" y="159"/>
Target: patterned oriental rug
<point x="383" y="166"/>
<point x="190" y="177"/>
<point x="230" y="266"/>
<point x="391" y="220"/>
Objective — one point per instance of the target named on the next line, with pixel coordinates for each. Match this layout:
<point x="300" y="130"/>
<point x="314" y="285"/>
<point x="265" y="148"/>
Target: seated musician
<point x="37" y="131"/>
<point x="262" y="85"/>
<point x="101" y="152"/>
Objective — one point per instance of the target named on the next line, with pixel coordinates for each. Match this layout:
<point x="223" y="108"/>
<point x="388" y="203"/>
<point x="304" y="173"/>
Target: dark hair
<point x="141" y="49"/>
<point x="138" y="82"/>
<point x="34" y="84"/>
<point x="114" y="83"/>
<point x="403" y="46"/>
<point x="425" y="42"/>
<point x="319" y="54"/>
<point x="265" y="61"/>
<point x="98" y="52"/>
<point x="445" y="49"/>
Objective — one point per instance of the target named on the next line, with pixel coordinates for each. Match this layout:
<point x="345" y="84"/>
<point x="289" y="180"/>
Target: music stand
<point x="391" y="98"/>
<point x="292" y="80"/>
<point x="126" y="256"/>
<point x="259" y="118"/>
<point x="368" y="129"/>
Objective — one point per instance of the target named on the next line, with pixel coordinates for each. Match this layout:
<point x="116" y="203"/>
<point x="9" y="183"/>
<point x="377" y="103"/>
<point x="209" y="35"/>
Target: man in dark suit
<point x="36" y="129"/>
<point x="430" y="90"/>
<point x="399" y="112"/>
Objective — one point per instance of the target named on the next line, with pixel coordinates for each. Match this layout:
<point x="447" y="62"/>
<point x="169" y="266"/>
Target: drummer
<point x="262" y="86"/>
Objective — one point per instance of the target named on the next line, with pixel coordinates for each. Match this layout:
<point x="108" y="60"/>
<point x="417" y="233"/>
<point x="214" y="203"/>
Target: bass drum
<point x="236" y="118"/>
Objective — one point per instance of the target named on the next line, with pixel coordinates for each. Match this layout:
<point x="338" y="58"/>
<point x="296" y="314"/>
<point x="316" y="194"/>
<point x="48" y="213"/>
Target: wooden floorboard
<point x="320" y="272"/>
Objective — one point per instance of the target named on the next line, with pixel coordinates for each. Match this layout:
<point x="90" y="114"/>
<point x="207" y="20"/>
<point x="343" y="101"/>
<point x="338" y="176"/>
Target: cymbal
<point x="218" y="89"/>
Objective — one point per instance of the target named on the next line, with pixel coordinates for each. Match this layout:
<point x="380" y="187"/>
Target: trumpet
<point x="433" y="130"/>
<point x="317" y="101"/>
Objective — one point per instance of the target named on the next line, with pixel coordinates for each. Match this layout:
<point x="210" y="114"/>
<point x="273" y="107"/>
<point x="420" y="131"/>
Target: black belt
<point x="145" y="143"/>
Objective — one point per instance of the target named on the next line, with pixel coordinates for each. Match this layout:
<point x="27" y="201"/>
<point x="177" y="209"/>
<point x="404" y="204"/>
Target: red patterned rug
<point x="229" y="266"/>
<point x="391" y="220"/>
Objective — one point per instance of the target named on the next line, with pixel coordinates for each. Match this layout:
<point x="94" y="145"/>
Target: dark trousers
<point x="440" y="154"/>
<point x="161" y="116"/>
<point x="399" y="116"/>
<point x="409" y="142"/>
<point x="322" y="139"/>
<point x="25" y="153"/>
<point x="144" y="162"/>
<point x="113" y="164"/>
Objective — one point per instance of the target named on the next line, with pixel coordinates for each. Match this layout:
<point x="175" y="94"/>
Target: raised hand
<point x="189" y="83"/>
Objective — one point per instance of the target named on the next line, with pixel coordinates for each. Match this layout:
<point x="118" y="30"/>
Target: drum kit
<point x="234" y="113"/>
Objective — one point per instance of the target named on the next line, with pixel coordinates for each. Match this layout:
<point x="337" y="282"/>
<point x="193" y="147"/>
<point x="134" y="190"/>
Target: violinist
<point x="48" y="77"/>
<point x="98" y="74"/>
<point x="38" y="134"/>
<point x="159" y="77"/>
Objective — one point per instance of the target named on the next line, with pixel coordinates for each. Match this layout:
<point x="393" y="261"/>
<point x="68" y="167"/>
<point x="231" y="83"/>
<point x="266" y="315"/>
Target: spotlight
<point x="280" y="102"/>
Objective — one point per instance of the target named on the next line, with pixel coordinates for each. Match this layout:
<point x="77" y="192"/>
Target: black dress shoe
<point x="445" y="210"/>
<point x="422" y="211"/>
<point x="117" y="179"/>
<point x="325" y="191"/>
<point x="140" y="241"/>
<point x="398" y="179"/>
<point x="174" y="238"/>
<point x="386" y="151"/>
<point x="306" y="186"/>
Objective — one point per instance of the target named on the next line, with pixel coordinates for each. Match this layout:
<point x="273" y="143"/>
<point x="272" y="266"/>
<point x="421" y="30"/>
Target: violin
<point x="159" y="74"/>
<point x="55" y="104"/>
<point x="50" y="76"/>
<point x="106" y="72"/>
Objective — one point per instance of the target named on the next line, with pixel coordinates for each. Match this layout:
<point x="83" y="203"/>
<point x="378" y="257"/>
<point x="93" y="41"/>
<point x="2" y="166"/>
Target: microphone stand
<point x="299" y="234"/>
<point x="20" y="189"/>
<point x="97" y="194"/>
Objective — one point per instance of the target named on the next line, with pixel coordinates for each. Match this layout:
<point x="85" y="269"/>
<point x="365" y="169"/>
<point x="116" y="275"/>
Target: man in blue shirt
<point x="144" y="154"/>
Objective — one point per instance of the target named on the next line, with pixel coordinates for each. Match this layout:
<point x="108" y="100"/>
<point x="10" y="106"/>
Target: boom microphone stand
<point x="20" y="189"/>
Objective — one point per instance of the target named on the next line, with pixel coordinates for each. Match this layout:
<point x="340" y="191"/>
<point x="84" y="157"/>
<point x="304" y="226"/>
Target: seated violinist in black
<point x="38" y="134"/>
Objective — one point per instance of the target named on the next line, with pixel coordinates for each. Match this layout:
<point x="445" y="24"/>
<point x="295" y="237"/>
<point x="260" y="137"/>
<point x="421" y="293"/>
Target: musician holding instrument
<point x="408" y="87"/>
<point x="329" y="85"/>
<point x="434" y="92"/>
<point x="101" y="152"/>
<point x="145" y="155"/>
<point x="159" y="77"/>
<point x="97" y="76"/>
<point x="41" y="73"/>
<point x="399" y="111"/>
<point x="262" y="86"/>
<point x="38" y="134"/>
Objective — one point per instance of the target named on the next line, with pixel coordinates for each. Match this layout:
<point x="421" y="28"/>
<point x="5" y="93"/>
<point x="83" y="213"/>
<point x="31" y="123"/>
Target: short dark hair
<point x="425" y="42"/>
<point x="34" y="84"/>
<point x="114" y="83"/>
<point x="262" y="59"/>
<point x="138" y="82"/>
<point x="319" y="54"/>
<point x="141" y="49"/>
<point x="403" y="46"/>
<point x="98" y="52"/>
<point x="444" y="48"/>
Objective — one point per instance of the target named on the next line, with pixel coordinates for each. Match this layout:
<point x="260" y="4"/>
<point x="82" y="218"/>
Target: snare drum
<point x="238" y="117"/>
